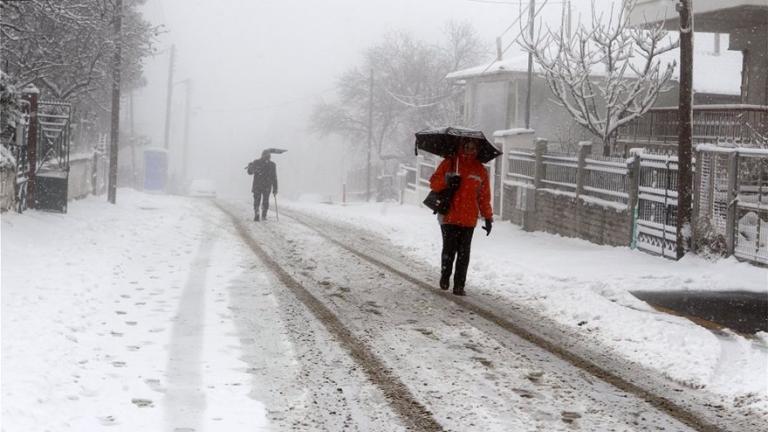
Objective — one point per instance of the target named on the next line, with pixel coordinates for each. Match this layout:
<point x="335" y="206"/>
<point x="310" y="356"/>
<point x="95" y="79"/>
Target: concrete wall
<point x="566" y="215"/>
<point x="7" y="185"/>
<point x="80" y="171"/>
<point x="87" y="175"/>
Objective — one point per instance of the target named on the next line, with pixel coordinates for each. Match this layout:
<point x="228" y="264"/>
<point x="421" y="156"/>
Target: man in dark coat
<point x="264" y="181"/>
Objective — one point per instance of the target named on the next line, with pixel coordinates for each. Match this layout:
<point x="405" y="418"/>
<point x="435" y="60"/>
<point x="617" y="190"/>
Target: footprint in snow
<point x="154" y="385"/>
<point x="526" y="394"/>
<point x="142" y="403"/>
<point x="535" y="376"/>
<point x="569" y="416"/>
<point x="108" y="420"/>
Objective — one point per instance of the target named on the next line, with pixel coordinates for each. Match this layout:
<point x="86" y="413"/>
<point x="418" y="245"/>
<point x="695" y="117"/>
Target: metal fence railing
<point x="606" y="178"/>
<point x="743" y="125"/>
<point x="656" y="218"/>
<point x="426" y="169"/>
<point x="522" y="168"/>
<point x="560" y="172"/>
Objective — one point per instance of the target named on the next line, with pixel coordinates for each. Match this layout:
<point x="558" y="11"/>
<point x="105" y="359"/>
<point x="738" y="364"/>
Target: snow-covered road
<point x="470" y="374"/>
<point x="166" y="313"/>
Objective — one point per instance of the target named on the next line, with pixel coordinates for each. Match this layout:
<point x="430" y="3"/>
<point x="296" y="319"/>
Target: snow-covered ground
<point x="587" y="287"/>
<point x="104" y="324"/>
<point x="153" y="315"/>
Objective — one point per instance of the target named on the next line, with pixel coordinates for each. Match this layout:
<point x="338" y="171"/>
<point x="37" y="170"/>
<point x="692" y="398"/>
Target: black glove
<point x="488" y="226"/>
<point x="454" y="181"/>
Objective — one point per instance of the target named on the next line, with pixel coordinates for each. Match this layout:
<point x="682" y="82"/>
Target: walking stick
<point x="277" y="213"/>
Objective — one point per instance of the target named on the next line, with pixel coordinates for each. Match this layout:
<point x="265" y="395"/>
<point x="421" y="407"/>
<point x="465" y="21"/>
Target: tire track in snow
<point x="410" y="410"/>
<point x="185" y="396"/>
<point x="661" y="403"/>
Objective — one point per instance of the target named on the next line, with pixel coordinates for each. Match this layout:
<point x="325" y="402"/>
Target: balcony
<point x="732" y="125"/>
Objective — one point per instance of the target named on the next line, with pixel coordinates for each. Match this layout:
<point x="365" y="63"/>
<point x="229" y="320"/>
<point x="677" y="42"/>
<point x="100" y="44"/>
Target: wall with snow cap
<point x="7" y="184"/>
<point x="559" y="212"/>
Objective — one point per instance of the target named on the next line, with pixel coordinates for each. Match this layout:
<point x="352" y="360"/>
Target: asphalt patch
<point x="741" y="311"/>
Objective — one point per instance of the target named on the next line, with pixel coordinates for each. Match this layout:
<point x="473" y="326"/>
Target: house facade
<point x="742" y="122"/>
<point x="744" y="21"/>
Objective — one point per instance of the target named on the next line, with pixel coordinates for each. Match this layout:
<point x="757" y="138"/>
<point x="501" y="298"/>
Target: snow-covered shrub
<point x="710" y="243"/>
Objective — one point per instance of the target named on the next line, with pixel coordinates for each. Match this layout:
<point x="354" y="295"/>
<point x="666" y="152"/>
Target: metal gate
<point x="42" y="148"/>
<point x="731" y="205"/>
<point x="655" y="225"/>
<point x="52" y="171"/>
<point x="751" y="207"/>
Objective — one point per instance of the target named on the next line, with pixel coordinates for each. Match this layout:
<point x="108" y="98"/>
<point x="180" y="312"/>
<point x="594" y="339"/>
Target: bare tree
<point x="605" y="74"/>
<point x="66" y="46"/>
<point x="409" y="93"/>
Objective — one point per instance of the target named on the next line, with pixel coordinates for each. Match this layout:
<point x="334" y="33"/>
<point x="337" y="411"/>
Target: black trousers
<point x="457" y="241"/>
<point x="261" y="197"/>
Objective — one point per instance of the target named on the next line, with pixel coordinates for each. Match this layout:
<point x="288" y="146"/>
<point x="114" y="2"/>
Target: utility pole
<point x="187" y="84"/>
<point x="169" y="98"/>
<point x="531" y="17"/>
<point x="685" y="114"/>
<point x="130" y="110"/>
<point x="370" y="140"/>
<point x="115" y="128"/>
<point x="132" y="139"/>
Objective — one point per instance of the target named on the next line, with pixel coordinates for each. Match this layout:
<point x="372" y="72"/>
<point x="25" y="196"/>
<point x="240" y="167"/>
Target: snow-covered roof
<point x="718" y="74"/>
<point x="512" y="132"/>
<point x="510" y="65"/>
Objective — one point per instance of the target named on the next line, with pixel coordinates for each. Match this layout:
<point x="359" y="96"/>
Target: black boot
<point x="458" y="290"/>
<point x="256" y="217"/>
<point x="445" y="281"/>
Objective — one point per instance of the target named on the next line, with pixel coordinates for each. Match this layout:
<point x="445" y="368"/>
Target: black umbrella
<point x="445" y="141"/>
<point x="275" y="150"/>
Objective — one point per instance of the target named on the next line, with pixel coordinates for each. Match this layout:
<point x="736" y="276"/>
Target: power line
<point x="519" y="34"/>
<point x="514" y="3"/>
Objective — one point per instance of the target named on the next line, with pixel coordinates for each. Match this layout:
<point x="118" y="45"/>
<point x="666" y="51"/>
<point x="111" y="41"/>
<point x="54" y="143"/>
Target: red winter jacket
<point x="473" y="195"/>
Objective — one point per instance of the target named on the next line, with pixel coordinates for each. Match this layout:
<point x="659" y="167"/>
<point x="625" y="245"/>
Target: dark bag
<point x="439" y="202"/>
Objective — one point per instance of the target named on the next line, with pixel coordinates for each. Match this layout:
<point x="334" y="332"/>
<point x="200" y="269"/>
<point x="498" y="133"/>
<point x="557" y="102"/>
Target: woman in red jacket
<point x="472" y="197"/>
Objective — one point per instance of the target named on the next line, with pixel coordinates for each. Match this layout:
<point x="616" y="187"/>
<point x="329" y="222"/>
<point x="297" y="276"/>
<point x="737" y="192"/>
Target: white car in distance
<point x="202" y="188"/>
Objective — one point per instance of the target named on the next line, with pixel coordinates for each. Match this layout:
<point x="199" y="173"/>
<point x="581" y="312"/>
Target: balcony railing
<point x="742" y="125"/>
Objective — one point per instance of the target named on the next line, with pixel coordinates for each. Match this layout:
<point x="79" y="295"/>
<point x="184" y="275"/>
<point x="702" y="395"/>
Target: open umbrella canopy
<point x="445" y="141"/>
<point x="275" y="150"/>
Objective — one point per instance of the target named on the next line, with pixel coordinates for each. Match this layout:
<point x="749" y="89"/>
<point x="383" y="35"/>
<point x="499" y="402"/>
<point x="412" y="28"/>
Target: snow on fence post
<point x="633" y="189"/>
<point x="730" y="222"/>
<point x="696" y="198"/>
<point x="540" y="151"/>
<point x="585" y="149"/>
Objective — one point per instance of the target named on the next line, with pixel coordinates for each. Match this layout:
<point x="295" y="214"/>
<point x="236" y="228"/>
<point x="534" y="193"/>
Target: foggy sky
<point x="258" y="66"/>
